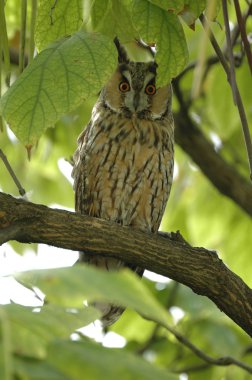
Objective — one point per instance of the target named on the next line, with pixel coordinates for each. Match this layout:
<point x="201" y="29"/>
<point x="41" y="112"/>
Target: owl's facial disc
<point x="131" y="92"/>
<point x="138" y="77"/>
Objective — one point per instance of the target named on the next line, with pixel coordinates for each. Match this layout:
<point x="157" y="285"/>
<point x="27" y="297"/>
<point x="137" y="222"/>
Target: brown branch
<point x="241" y="22"/>
<point x="198" y="268"/>
<point x="235" y="90"/>
<point x="221" y="174"/>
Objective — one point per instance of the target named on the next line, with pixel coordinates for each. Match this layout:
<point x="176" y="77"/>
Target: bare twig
<point x="193" y="368"/>
<point x="231" y="73"/>
<point x="223" y="361"/>
<point x="241" y="23"/>
<point x="234" y="87"/>
<point x="22" y="34"/>
<point x="12" y="174"/>
<point x="236" y="30"/>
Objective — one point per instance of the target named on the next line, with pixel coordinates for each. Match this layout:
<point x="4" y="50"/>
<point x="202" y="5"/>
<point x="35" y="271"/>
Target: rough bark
<point x="171" y="256"/>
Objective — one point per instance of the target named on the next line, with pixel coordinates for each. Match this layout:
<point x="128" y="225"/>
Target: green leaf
<point x="57" y="19"/>
<point x="97" y="362"/>
<point x="169" y="5"/>
<point x="31" y="331"/>
<point x="192" y="10"/>
<point x="163" y="28"/>
<point x="69" y="286"/>
<point x="34" y="369"/>
<point x="56" y="82"/>
<point x="98" y="13"/>
<point x="113" y="18"/>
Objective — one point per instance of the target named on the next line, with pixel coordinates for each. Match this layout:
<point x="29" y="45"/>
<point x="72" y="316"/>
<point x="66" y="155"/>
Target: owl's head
<point x="132" y="89"/>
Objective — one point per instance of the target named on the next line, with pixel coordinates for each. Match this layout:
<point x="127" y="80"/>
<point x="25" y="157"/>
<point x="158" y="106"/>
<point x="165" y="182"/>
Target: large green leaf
<point x="69" y="286"/>
<point x="171" y="5"/>
<point x="56" y="82"/>
<point x="30" y="331"/>
<point x="96" y="362"/>
<point x="156" y="25"/>
<point x="113" y="18"/>
<point x="57" y="19"/>
<point x="28" y="368"/>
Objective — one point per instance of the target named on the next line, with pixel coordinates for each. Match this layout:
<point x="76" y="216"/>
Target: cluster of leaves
<point x="34" y="345"/>
<point x="66" y="72"/>
<point x="72" y="69"/>
<point x="41" y="344"/>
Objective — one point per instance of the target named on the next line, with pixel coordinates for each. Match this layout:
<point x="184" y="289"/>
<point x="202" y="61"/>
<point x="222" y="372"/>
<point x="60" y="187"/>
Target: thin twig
<point x="223" y="361"/>
<point x="22" y="35"/>
<point x="241" y="23"/>
<point x="193" y="368"/>
<point x="5" y="48"/>
<point x="12" y="174"/>
<point x="231" y="74"/>
<point x="237" y="95"/>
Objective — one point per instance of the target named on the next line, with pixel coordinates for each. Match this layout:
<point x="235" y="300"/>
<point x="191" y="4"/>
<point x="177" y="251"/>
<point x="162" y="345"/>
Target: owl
<point x="123" y="165"/>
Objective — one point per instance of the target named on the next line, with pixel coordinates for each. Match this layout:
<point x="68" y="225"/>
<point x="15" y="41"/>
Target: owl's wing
<point x="78" y="172"/>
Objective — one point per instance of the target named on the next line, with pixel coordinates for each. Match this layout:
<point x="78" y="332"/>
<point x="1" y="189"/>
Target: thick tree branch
<point x="197" y="268"/>
<point x="222" y="175"/>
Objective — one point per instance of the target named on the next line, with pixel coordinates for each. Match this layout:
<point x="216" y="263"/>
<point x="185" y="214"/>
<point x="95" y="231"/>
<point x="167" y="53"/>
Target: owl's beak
<point x="136" y="100"/>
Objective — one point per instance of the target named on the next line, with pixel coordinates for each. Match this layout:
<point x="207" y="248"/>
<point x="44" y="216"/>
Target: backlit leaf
<point x="57" y="19"/>
<point x="57" y="81"/>
<point x="163" y="28"/>
<point x="97" y="362"/>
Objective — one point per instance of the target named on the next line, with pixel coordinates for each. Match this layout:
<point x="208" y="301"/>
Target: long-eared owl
<point x="123" y="166"/>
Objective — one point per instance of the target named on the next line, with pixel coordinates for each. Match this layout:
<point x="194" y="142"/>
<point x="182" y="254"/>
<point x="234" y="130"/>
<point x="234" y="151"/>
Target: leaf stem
<point x="12" y="174"/>
<point x="22" y="35"/>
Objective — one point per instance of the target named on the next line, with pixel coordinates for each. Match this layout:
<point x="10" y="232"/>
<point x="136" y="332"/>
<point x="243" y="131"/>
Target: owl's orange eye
<point x="150" y="89"/>
<point x="124" y="86"/>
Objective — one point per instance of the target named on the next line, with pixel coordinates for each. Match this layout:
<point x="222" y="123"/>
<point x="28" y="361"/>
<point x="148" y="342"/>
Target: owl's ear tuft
<point x="122" y="55"/>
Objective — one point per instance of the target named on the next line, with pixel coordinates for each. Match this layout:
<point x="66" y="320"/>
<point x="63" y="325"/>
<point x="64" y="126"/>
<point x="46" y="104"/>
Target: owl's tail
<point x="110" y="313"/>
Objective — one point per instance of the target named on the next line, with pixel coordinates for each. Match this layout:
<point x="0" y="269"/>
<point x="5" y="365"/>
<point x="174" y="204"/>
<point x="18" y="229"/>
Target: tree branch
<point x="232" y="81"/>
<point x="198" y="268"/>
<point x="222" y="175"/>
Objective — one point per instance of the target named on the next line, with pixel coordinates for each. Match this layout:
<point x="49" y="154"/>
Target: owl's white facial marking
<point x="137" y="75"/>
<point x="131" y="92"/>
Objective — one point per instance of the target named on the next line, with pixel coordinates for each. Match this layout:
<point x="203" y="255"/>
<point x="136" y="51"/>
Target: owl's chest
<point x="126" y="167"/>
